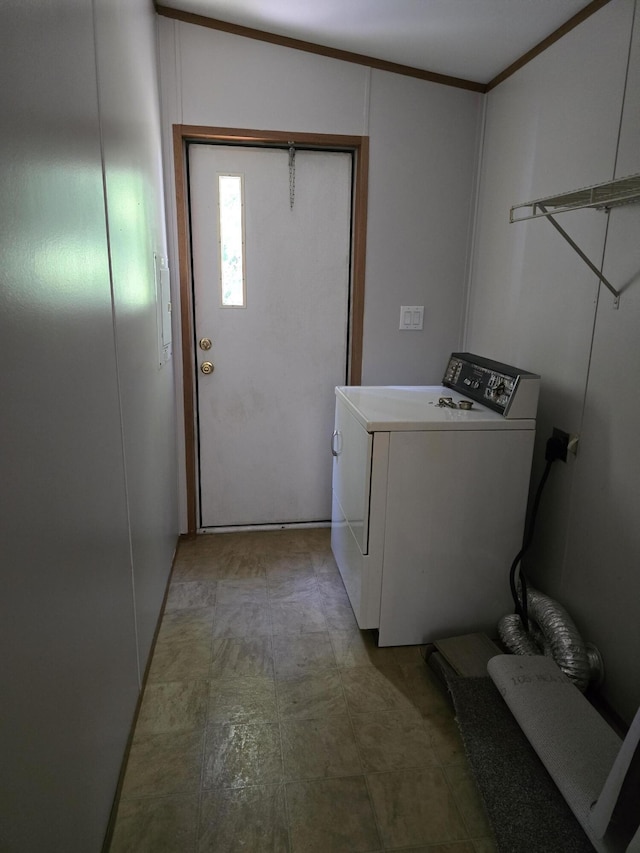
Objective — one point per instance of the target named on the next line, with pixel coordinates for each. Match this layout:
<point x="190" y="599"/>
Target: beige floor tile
<point x="180" y="661"/>
<point x="415" y="807"/>
<point x="287" y="588"/>
<point x="319" y="748"/>
<point x="167" y="825"/>
<point x="244" y="819"/>
<point x="409" y="656"/>
<point x="331" y="816"/>
<point x="201" y="547"/>
<point x="311" y="696"/>
<point x="283" y="543"/>
<point x="236" y="756"/>
<point x="196" y="564"/>
<point x="191" y="594"/>
<point x="261" y="683"/>
<point x="197" y="547"/>
<point x="331" y="585"/>
<point x="241" y="543"/>
<point x="467" y="797"/>
<point x="242" y="591"/>
<point x="280" y="567"/>
<point x="485" y="845"/>
<point x="244" y="619"/>
<point x="242" y="700"/>
<point x="454" y="847"/>
<point x="316" y="538"/>
<point x="306" y="654"/>
<point x="393" y="740"/>
<point x="238" y="566"/>
<point x="445" y="739"/>
<point x="324" y="564"/>
<point x="301" y="616"/>
<point x="358" y="648"/>
<point x="369" y="689"/>
<point x="173" y="707"/>
<point x="160" y="765"/>
<point x="428" y="693"/>
<point x="336" y="604"/>
<point x="201" y="542"/>
<point x="186" y="625"/>
<point x="238" y="656"/>
<point x="338" y="615"/>
<point x="195" y="572"/>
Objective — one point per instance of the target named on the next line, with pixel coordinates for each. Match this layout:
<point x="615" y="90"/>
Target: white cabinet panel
<point x="352" y="473"/>
<point x="455" y="513"/>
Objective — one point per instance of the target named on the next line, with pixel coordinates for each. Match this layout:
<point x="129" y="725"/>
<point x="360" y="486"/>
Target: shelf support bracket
<point x="594" y="269"/>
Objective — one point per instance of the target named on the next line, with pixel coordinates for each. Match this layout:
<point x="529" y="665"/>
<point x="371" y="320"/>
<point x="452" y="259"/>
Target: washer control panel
<point x="505" y="389"/>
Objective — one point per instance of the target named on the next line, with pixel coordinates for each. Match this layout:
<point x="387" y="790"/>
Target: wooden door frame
<point x="184" y="134"/>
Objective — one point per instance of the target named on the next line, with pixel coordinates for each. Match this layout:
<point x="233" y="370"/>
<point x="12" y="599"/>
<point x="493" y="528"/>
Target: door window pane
<point x="231" y="231"/>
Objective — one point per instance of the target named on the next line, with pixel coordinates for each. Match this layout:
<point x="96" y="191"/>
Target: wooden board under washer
<point x="468" y="654"/>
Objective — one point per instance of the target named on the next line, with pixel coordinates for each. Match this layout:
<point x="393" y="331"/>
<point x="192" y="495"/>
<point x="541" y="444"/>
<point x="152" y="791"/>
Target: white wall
<point x="423" y="150"/>
<point x="131" y="139"/>
<point x="552" y="127"/>
<point x="424" y="140"/>
<point x="88" y="488"/>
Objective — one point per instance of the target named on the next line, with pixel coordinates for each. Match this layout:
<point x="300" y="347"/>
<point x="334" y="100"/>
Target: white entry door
<point x="265" y="412"/>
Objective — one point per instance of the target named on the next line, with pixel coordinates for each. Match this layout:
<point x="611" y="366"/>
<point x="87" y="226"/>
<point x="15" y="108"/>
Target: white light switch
<point x="411" y="317"/>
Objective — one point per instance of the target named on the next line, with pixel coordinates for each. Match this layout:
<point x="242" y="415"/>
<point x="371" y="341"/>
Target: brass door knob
<point x="205" y="343"/>
<point x="206" y="367"/>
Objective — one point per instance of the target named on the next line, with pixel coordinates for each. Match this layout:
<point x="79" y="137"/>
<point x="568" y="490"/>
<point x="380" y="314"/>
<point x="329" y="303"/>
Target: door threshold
<point x="242" y="528"/>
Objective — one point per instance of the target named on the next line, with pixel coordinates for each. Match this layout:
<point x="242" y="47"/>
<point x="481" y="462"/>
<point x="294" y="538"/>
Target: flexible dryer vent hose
<point x="552" y="633"/>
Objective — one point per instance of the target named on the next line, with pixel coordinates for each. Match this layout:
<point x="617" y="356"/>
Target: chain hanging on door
<point x="292" y="174"/>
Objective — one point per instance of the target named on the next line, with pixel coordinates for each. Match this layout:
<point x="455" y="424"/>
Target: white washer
<point x="429" y="499"/>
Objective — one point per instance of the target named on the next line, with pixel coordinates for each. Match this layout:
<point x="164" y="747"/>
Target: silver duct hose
<point x="552" y="632"/>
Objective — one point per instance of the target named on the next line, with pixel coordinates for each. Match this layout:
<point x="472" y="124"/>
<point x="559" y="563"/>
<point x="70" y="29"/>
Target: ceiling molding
<point x="555" y="36"/>
<point x="381" y="64"/>
<point x="320" y="50"/>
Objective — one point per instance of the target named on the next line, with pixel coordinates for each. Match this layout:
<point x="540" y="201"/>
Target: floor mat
<point x="527" y="812"/>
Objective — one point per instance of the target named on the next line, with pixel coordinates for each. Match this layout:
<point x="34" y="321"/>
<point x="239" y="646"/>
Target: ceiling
<point x="470" y="39"/>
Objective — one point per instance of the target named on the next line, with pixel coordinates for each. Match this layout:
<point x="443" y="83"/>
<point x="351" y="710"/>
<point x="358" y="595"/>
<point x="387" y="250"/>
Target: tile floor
<point x="271" y="723"/>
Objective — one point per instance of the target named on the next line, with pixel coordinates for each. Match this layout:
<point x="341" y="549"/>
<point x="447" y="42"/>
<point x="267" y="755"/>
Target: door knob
<point x="206" y="367"/>
<point x="205" y="343"/>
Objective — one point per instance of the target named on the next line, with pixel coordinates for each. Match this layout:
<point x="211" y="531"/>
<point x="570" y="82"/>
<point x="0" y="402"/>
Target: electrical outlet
<point x="563" y="442"/>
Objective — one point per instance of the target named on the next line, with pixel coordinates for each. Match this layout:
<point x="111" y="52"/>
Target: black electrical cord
<point x="554" y="450"/>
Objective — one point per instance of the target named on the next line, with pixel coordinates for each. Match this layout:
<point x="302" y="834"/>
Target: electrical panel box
<point x="163" y="303"/>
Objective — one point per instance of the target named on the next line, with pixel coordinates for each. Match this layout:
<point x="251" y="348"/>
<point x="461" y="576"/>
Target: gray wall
<point x="88" y="487"/>
<point x="569" y="119"/>
<point x="423" y="154"/>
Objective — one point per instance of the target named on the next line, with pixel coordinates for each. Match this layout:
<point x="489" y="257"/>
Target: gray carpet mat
<point x="526" y="811"/>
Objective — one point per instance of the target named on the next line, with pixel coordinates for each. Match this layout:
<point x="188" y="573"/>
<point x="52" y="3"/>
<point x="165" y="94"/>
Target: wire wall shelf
<point x="597" y="197"/>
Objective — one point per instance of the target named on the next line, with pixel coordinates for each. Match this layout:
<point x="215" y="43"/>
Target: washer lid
<point x="385" y="408"/>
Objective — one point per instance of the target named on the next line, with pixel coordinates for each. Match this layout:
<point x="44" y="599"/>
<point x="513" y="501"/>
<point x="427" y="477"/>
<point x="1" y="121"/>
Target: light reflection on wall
<point x="53" y="251"/>
<point x="54" y="255"/>
<point x="131" y="240"/>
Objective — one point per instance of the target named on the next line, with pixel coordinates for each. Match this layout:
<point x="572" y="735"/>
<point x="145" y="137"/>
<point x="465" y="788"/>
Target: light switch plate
<point x="411" y="317"/>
